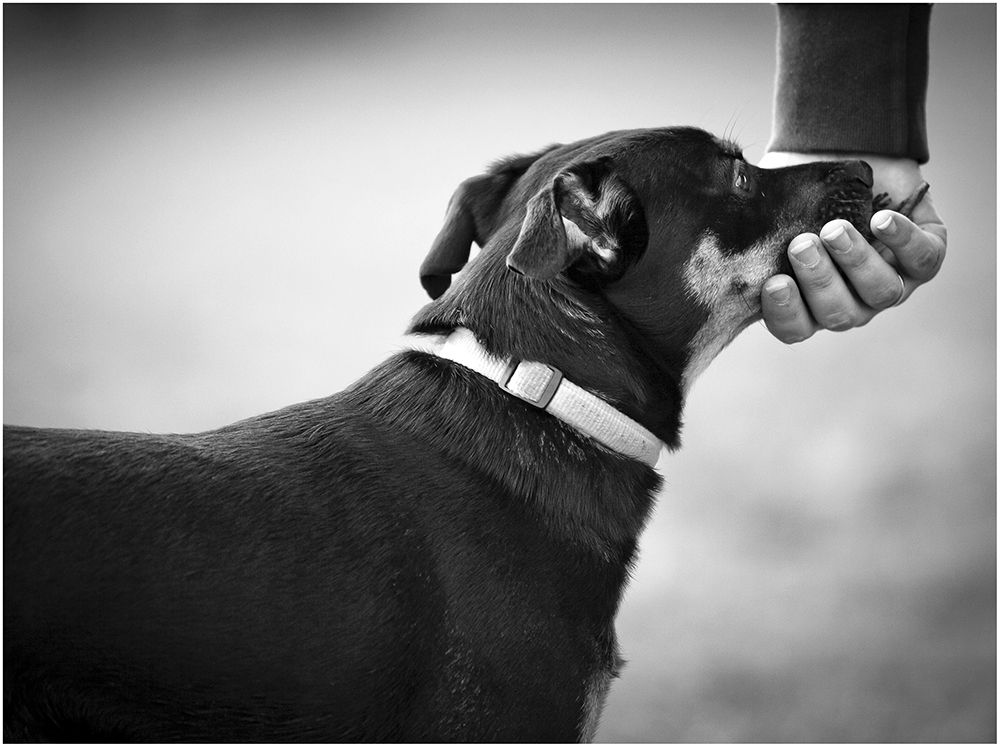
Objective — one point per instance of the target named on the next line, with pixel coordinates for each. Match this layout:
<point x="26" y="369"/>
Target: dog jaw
<point x="729" y="286"/>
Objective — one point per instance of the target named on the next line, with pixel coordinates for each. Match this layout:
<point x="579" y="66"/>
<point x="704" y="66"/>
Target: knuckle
<point x="886" y="295"/>
<point x="852" y="258"/>
<point x="822" y="280"/>
<point x="778" y="315"/>
<point x="839" y="326"/>
<point x="839" y="321"/>
<point x="925" y="262"/>
<point x="790" y="337"/>
<point x="921" y="254"/>
<point x="790" y="329"/>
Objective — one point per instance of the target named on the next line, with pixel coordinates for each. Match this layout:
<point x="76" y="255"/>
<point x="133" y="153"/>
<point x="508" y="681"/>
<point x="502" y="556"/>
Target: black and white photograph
<point x="500" y="373"/>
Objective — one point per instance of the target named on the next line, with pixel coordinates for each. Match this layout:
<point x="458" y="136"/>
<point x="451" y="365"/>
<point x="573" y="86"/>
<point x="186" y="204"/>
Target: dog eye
<point x="742" y="180"/>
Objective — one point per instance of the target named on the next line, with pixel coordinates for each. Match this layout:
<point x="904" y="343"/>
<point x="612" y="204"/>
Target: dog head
<point x="670" y="230"/>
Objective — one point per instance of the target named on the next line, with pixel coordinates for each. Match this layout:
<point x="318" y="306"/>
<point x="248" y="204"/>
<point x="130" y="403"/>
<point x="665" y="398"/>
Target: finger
<point x="785" y="313"/>
<point x="918" y="250"/>
<point x="827" y="294"/>
<point x="874" y="281"/>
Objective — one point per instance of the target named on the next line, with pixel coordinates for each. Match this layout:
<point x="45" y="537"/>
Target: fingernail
<point x="805" y="253"/>
<point x="837" y="239"/>
<point x="778" y="291"/>
<point x="887" y="227"/>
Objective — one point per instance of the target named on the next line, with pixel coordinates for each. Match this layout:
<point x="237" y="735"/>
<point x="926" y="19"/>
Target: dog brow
<point x="730" y="148"/>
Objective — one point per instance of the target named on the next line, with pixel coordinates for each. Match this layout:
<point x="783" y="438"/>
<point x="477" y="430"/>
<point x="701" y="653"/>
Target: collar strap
<point x="545" y="387"/>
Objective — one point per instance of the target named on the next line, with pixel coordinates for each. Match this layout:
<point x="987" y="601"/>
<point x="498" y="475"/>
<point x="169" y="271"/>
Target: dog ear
<point x="587" y="220"/>
<point x="473" y="214"/>
<point x="451" y="248"/>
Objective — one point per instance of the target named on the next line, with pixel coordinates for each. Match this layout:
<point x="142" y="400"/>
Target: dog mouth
<point x="849" y="196"/>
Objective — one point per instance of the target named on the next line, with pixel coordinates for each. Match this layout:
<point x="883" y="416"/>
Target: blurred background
<point x="213" y="211"/>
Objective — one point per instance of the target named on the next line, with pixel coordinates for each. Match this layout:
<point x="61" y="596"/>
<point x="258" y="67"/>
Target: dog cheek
<point x="653" y="290"/>
<point x="728" y="284"/>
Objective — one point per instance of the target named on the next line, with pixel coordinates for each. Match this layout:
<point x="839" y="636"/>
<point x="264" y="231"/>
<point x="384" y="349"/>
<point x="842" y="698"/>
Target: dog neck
<point x="546" y="388"/>
<point x="570" y="328"/>
<point x="584" y="492"/>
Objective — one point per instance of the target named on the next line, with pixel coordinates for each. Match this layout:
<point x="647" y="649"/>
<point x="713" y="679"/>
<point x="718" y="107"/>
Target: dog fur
<point x="421" y="557"/>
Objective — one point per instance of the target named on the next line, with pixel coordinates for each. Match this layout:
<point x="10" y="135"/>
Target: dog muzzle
<point x="546" y="388"/>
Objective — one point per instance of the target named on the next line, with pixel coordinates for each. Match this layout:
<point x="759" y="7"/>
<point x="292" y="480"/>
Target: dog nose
<point x="858" y="170"/>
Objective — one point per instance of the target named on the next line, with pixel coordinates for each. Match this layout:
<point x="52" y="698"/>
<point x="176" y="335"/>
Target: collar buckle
<point x="535" y="383"/>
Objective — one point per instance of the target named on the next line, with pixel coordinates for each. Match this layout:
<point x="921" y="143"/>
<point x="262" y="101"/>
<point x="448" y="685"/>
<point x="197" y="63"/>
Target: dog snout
<point x="848" y="187"/>
<point x="853" y="171"/>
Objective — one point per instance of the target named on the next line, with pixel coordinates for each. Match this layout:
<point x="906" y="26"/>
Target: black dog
<point x="424" y="556"/>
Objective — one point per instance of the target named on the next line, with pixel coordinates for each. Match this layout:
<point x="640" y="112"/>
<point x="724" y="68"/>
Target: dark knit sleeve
<point x="852" y="78"/>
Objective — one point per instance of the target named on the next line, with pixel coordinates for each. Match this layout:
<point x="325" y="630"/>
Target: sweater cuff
<point x="852" y="78"/>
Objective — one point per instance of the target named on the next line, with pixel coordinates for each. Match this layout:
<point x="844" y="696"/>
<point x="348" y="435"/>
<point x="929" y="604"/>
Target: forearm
<point x="852" y="78"/>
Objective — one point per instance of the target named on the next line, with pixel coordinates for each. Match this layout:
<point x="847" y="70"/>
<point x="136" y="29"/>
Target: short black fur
<point x="421" y="557"/>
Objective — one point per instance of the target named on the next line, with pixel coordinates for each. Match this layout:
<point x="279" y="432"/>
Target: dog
<point x="438" y="552"/>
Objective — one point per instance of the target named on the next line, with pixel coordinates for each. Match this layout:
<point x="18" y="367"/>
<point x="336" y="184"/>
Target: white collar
<point x="545" y="387"/>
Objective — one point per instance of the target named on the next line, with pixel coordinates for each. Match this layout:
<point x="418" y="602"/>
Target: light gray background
<point x="213" y="212"/>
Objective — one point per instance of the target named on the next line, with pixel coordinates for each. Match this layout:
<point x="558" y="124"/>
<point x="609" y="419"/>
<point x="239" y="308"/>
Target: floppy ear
<point x="450" y="250"/>
<point x="472" y="216"/>
<point x="587" y="219"/>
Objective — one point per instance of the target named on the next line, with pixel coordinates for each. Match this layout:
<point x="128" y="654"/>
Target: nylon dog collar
<point x="545" y="387"/>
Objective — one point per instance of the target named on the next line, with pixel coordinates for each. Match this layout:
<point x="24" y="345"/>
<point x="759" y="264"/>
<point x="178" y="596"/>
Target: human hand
<point x="841" y="280"/>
